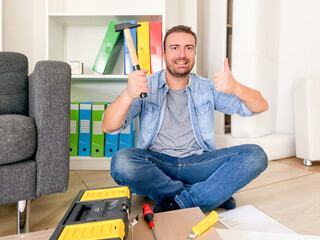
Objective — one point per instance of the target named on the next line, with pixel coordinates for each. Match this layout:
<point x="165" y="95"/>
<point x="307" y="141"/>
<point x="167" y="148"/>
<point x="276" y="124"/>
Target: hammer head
<point x="121" y="26"/>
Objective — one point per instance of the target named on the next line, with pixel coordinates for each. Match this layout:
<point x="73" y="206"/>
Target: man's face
<point x="180" y="53"/>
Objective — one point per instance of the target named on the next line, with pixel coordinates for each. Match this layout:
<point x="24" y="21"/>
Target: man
<point x="176" y="163"/>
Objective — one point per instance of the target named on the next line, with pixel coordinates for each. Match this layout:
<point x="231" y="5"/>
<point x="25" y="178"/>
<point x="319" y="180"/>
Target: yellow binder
<point x="143" y="46"/>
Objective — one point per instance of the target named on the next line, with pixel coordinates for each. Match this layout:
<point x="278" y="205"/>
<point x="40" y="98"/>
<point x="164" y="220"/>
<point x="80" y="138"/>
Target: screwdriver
<point x="148" y="216"/>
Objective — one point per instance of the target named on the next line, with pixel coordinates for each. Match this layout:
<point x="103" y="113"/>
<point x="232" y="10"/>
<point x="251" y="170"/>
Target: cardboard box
<point x="173" y="225"/>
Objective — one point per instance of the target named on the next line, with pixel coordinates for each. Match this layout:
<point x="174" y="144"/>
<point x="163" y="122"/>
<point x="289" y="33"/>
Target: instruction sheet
<point x="249" y="218"/>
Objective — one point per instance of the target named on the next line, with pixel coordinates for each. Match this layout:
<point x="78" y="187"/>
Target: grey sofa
<point x="34" y="130"/>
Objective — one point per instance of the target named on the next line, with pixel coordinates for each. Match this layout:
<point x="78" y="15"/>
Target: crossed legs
<point x="205" y="180"/>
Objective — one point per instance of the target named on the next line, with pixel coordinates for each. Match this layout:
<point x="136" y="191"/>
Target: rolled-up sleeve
<point x="230" y="104"/>
<point x="133" y="112"/>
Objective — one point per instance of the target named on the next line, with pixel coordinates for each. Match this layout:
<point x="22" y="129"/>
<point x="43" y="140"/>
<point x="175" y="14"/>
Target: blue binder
<point x="111" y="144"/>
<point x="127" y="61"/>
<point x="85" y="128"/>
<point x="126" y="137"/>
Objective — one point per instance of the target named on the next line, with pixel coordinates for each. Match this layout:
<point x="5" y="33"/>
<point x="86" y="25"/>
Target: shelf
<point x="75" y="19"/>
<point x="97" y="77"/>
<point x="95" y="7"/>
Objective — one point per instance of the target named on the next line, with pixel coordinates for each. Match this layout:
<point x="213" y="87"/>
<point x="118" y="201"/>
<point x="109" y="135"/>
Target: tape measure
<point x="96" y="214"/>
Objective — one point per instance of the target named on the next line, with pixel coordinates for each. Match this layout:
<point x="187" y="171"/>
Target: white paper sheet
<point x="249" y="218"/>
<point x="227" y="234"/>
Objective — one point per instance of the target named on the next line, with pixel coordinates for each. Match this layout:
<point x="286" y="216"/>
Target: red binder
<point x="155" y="29"/>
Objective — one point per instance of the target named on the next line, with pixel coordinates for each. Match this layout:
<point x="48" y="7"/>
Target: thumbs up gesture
<point x="224" y="81"/>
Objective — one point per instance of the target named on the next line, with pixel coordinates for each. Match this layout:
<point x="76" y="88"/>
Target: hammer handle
<point x="132" y="51"/>
<point x="133" y="54"/>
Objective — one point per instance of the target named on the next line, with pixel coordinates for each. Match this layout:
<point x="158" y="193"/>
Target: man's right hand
<point x="137" y="83"/>
<point x="115" y="113"/>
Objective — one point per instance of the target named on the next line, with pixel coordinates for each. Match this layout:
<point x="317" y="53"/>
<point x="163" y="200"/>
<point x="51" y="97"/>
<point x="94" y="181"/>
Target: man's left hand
<point x="224" y="81"/>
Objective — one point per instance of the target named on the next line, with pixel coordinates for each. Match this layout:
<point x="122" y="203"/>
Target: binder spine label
<point x="73" y="126"/>
<point x="126" y="130"/>
<point x="85" y="126"/>
<point x="98" y="107"/>
<point x="74" y="106"/>
<point x="97" y="128"/>
<point x="85" y="106"/>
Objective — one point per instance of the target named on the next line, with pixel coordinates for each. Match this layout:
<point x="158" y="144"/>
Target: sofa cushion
<point x="13" y="83"/>
<point x="17" y="138"/>
<point x="18" y="181"/>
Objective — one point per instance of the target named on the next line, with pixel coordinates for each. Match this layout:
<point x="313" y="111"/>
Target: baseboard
<point x="90" y="163"/>
<point x="276" y="146"/>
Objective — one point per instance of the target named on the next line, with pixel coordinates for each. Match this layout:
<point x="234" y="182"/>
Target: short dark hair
<point x="179" y="28"/>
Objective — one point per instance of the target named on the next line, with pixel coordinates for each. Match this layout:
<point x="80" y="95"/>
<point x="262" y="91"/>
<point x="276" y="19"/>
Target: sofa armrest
<point x="49" y="105"/>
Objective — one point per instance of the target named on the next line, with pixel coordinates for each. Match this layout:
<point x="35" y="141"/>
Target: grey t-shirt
<point x="176" y="137"/>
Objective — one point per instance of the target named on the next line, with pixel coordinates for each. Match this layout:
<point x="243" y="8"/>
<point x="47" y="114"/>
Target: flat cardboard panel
<point x="173" y="225"/>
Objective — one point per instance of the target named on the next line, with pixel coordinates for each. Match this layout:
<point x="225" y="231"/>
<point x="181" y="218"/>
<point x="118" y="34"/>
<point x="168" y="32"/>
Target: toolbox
<point x="96" y="214"/>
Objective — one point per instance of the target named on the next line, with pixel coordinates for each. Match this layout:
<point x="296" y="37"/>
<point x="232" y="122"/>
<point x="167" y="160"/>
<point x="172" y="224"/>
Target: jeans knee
<point x="259" y="157"/>
<point x="120" y="165"/>
<point x="256" y="160"/>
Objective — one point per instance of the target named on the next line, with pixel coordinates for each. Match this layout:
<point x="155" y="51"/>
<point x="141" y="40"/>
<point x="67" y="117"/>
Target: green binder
<point x="109" y="51"/>
<point x="74" y="128"/>
<point x="97" y="137"/>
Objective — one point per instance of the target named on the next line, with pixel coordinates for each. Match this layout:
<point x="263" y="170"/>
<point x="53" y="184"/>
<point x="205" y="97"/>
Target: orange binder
<point x="143" y="46"/>
<point x="155" y="31"/>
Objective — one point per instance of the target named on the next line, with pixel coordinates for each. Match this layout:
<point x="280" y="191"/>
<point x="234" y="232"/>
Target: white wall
<point x="181" y="12"/>
<point x="24" y="28"/>
<point x="255" y="60"/>
<point x="299" y="53"/>
<point x="211" y="51"/>
<point x="0" y="25"/>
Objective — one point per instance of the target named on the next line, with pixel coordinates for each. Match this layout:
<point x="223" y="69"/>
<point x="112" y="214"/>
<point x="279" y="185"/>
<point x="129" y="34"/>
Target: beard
<point x="179" y="74"/>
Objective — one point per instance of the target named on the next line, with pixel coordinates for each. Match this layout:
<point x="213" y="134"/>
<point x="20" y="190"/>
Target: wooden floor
<point x="287" y="191"/>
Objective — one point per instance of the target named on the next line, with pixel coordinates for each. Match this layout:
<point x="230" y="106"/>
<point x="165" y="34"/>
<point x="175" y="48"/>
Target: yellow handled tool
<point x="204" y="225"/>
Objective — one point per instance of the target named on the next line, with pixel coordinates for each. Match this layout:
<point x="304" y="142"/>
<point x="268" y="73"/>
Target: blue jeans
<point x="205" y="180"/>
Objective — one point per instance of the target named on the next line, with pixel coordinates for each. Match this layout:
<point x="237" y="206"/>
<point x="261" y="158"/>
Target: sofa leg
<point x="23" y="216"/>
<point x="307" y="162"/>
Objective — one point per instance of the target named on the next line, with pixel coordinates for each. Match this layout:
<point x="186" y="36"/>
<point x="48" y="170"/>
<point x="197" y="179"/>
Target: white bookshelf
<point x="75" y="30"/>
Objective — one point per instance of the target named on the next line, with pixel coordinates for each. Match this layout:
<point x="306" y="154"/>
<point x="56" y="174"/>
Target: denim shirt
<point x="203" y="99"/>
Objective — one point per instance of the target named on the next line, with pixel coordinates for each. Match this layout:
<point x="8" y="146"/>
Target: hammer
<point x="132" y="52"/>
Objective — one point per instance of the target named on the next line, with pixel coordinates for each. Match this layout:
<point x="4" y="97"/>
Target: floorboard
<point x="287" y="191"/>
